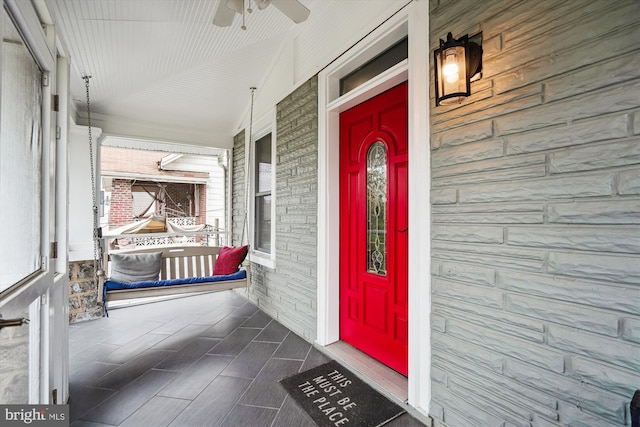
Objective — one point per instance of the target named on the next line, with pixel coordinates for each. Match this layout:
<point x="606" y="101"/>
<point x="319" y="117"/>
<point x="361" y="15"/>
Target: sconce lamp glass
<point x="456" y="63"/>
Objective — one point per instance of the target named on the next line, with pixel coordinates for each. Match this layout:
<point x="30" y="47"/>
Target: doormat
<point x="334" y="396"/>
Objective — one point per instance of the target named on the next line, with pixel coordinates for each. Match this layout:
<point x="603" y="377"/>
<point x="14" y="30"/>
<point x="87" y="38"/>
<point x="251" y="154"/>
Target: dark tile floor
<point x="207" y="360"/>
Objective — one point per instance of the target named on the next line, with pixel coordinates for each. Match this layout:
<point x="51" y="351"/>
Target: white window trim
<point x="262" y="127"/>
<point x="415" y="19"/>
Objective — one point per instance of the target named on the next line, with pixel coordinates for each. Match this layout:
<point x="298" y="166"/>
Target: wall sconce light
<point x="457" y="63"/>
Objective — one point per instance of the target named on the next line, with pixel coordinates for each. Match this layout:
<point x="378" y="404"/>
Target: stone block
<point x="86" y="269"/>
<point x="591" y="51"/>
<point x="438" y="323"/>
<point x="600" y="156"/>
<point x="506" y="345"/>
<point x="580" y="417"/>
<point x="537" y="401"/>
<point x="466" y="153"/>
<point x="490" y="208"/>
<point x="436" y="410"/>
<point x="631" y="329"/>
<point x="629" y="182"/>
<point x="616" y="99"/>
<point x="490" y="107"/>
<point x="602" y="239"/>
<point x="591" y="399"/>
<point x="445" y="345"/>
<point x="466" y="134"/>
<point x="611" y="268"/>
<point x="595" y="212"/>
<point x="636" y="123"/>
<point x="491" y="255"/>
<point x="450" y="311"/>
<point x="482" y="295"/>
<point x="435" y="268"/>
<point x="593" y="77"/>
<point x="470" y="234"/>
<point x="581" y="317"/>
<point x="443" y="196"/>
<point x="475" y="415"/>
<point x="468" y="273"/>
<point x="603" y="375"/>
<point x="492" y="400"/>
<point x="489" y="218"/>
<point x="596" y="347"/>
<point x="502" y="318"/>
<point x="587" y="292"/>
<point x="577" y="186"/>
<point x="502" y="175"/>
<point x="488" y="166"/>
<point x="439" y="375"/>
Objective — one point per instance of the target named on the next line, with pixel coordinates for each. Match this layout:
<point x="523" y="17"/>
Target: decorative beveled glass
<point x="377" y="209"/>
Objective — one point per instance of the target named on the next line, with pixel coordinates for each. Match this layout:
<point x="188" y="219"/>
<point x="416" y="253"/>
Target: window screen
<point x="20" y="160"/>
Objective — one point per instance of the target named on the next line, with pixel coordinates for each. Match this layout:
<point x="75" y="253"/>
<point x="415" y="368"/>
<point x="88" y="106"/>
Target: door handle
<point x="404" y="230"/>
<point x="12" y="322"/>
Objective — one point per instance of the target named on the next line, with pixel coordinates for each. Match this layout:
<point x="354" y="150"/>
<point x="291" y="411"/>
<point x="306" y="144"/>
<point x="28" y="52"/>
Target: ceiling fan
<point x="227" y="10"/>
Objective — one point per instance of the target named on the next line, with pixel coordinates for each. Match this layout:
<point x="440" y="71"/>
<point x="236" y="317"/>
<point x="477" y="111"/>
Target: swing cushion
<point x="112" y="285"/>
<point x="229" y="260"/>
<point x="129" y="268"/>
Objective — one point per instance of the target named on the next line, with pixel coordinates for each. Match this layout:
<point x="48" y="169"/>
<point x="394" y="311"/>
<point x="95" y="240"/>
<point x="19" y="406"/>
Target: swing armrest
<point x="101" y="279"/>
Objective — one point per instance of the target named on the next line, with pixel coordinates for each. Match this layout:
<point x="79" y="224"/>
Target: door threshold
<point x="379" y="376"/>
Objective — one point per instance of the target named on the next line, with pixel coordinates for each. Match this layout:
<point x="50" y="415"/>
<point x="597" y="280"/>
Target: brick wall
<point x="121" y="208"/>
<point x="288" y="293"/>
<point x="536" y="213"/>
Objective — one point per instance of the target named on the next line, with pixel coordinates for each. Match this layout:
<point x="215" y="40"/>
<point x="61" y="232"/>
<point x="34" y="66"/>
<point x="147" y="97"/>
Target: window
<point x="263" y="174"/>
<point x="20" y="161"/>
<point x="387" y="59"/>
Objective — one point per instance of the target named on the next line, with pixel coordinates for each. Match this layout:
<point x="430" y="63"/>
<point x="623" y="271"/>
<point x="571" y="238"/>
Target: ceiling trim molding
<point x="113" y="125"/>
<point x="154" y="178"/>
<point x="126" y="141"/>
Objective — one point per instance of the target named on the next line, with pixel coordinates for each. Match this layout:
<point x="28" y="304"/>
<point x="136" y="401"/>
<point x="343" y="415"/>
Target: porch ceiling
<point x="163" y="64"/>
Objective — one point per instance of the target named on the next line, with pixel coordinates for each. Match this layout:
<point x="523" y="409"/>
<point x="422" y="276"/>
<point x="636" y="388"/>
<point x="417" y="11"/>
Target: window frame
<point x="264" y="128"/>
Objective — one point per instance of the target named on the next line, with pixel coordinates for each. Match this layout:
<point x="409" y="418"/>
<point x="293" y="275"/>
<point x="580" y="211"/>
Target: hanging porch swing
<point x="161" y="271"/>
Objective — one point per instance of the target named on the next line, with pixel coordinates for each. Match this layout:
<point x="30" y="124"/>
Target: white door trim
<point x="413" y="21"/>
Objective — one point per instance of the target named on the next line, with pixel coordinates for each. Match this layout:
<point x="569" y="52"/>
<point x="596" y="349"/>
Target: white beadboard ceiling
<point x="163" y="61"/>
<point x="161" y="71"/>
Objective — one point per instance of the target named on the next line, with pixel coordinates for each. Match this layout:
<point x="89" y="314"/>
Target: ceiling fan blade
<point x="295" y="10"/>
<point x="223" y="16"/>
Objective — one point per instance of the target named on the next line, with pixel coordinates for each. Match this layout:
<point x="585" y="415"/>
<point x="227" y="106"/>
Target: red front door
<point x="374" y="227"/>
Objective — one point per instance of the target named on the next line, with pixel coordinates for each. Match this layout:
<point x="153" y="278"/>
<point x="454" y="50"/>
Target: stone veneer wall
<point x="536" y="217"/>
<point x="238" y="194"/>
<point x="83" y="292"/>
<point x="288" y="292"/>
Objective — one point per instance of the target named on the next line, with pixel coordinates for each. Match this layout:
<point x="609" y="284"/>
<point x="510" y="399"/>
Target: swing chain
<point x="97" y="258"/>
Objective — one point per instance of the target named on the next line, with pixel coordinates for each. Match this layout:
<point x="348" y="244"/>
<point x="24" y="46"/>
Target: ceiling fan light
<point x="262" y="4"/>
